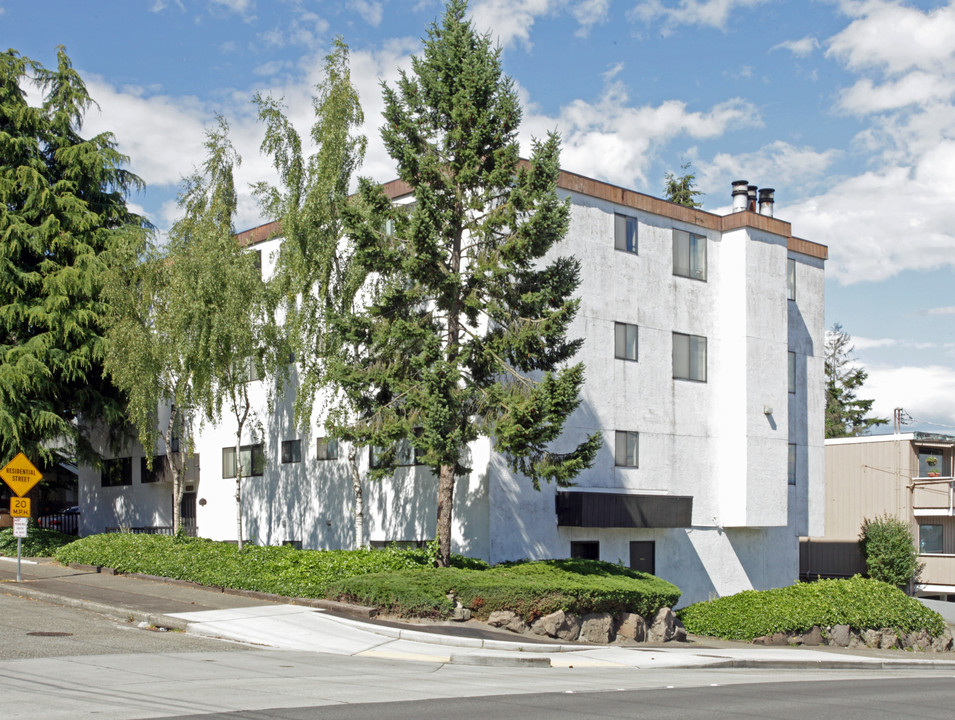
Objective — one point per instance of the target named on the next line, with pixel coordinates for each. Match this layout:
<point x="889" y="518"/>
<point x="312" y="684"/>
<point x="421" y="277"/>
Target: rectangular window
<point x="291" y="451"/>
<point x="374" y="456"/>
<point x="408" y="454"/>
<point x="257" y="255"/>
<point x="157" y="474"/>
<point x="251" y="460"/>
<point x="247" y="370"/>
<point x="625" y="233"/>
<point x="931" y="461"/>
<point x="626" y="449"/>
<point x="791" y="279"/>
<point x="117" y="472"/>
<point x="689" y="255"/>
<point x="792" y="463"/>
<point x="689" y="357"/>
<point x="624" y="341"/>
<point x="930" y="538"/>
<point x="585" y="549"/>
<point x="327" y="448"/>
<point x="792" y="372"/>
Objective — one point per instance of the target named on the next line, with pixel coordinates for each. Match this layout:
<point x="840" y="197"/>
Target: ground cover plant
<point x="401" y="581"/>
<point x="858" y="602"/>
<point x="39" y="542"/>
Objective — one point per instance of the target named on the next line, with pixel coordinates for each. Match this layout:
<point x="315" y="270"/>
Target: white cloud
<point x="509" y="21"/>
<point x="371" y="12"/>
<point x="239" y="7"/>
<point x="589" y="13"/>
<point x="924" y="392"/>
<point x="800" y="48"/>
<point x="615" y="141"/>
<point x="863" y="343"/>
<point x="950" y="310"/>
<point x="778" y="164"/>
<point x="895" y="38"/>
<point x="712" y="13"/>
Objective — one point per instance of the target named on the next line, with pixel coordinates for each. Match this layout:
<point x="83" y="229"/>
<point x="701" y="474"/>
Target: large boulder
<point x="813" y="637"/>
<point x="665" y="627"/>
<point x="508" y="620"/>
<point x="839" y="635"/>
<point x="631" y="626"/>
<point x="597" y="628"/>
<point x="944" y="642"/>
<point x="561" y="625"/>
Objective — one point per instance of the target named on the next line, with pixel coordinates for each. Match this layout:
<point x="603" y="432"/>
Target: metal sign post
<point x="20" y="475"/>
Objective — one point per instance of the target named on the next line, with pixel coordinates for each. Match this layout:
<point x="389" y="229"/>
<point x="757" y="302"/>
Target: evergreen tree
<point x="316" y="279"/>
<point x="187" y="328"/>
<point x="62" y="209"/>
<point x="465" y="332"/>
<point x="681" y="189"/>
<point x="846" y="414"/>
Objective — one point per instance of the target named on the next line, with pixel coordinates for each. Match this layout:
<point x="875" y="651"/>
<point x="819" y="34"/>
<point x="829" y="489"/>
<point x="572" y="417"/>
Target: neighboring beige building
<point x="870" y="476"/>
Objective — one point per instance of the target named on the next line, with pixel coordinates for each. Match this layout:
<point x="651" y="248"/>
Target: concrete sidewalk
<point x="322" y="626"/>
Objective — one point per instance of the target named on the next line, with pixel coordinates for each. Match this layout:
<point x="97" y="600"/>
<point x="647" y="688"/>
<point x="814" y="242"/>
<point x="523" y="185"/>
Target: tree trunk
<point x="176" y="467"/>
<point x="241" y="415"/>
<point x="359" y="499"/>
<point x="445" y="502"/>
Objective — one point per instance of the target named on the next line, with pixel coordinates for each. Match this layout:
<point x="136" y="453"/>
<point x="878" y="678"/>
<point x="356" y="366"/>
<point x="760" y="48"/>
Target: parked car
<point x="66" y="521"/>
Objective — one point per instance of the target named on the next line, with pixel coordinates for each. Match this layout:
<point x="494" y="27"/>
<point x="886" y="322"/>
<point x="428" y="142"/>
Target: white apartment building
<point x="704" y="354"/>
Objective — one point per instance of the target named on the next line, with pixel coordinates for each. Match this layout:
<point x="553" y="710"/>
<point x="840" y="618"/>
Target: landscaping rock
<point x="856" y="640"/>
<point x="460" y="613"/>
<point x="839" y="635"/>
<point x="813" y="637"/>
<point x="872" y="638"/>
<point x="944" y="642"/>
<point x="631" y="626"/>
<point x="665" y="627"/>
<point x="565" y="626"/>
<point x="597" y="628"/>
<point x="508" y="620"/>
<point x="778" y="638"/>
<point x="889" y="639"/>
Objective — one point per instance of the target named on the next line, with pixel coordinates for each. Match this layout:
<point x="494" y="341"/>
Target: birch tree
<point x="316" y="279"/>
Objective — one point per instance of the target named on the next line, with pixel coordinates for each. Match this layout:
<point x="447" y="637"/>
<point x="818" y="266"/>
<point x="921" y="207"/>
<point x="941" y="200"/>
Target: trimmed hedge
<point x="530" y="589"/>
<point x="860" y="603"/>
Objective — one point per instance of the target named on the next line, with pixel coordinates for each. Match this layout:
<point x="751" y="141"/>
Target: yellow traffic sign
<point x="20" y="475"/>
<point x="20" y="507"/>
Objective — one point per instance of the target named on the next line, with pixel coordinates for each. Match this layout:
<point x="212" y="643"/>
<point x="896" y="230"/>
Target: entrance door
<point x="642" y="556"/>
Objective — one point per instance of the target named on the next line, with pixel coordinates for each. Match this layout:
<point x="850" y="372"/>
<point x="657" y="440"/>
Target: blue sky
<point x="846" y="107"/>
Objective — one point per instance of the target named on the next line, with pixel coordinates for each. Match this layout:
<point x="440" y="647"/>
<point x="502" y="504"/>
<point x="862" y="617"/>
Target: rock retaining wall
<point x="598" y="628"/>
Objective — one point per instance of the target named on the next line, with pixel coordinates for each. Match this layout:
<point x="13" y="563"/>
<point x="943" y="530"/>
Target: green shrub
<point x="861" y="603"/>
<point x="889" y="551"/>
<point x="39" y="542"/>
<point x="530" y="589"/>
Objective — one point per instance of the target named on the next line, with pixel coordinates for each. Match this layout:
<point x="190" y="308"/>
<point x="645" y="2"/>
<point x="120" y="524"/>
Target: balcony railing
<point x="938" y="570"/>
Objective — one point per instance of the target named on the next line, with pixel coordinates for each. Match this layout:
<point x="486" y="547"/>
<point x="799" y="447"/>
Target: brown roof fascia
<point x="620" y="196"/>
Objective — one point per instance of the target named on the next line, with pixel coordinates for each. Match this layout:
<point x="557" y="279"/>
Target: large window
<point x="689" y="357"/>
<point x="689" y="255"/>
<point x="327" y="448"/>
<point x="624" y="341"/>
<point x="117" y="472"/>
<point x="792" y="372"/>
<point x="792" y="463"/>
<point x="791" y="279"/>
<point x="291" y="451"/>
<point x="626" y="449"/>
<point x="585" y="549"/>
<point x="157" y="474"/>
<point x="625" y="233"/>
<point x="251" y="460"/>
<point x="930" y="538"/>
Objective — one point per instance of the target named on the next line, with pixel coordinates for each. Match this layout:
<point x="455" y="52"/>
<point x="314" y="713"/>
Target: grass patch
<point x="400" y="581"/>
<point x="39" y="542"/>
<point x="858" y="602"/>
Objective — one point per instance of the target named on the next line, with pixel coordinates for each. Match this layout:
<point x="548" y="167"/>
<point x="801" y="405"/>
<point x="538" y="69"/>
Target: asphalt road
<point x="116" y="671"/>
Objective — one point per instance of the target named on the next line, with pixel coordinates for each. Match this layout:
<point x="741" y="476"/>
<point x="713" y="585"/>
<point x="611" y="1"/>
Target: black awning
<point x="622" y="510"/>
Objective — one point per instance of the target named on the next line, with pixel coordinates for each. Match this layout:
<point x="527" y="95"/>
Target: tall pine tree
<point x="465" y="333"/>
<point x="62" y="209"/>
